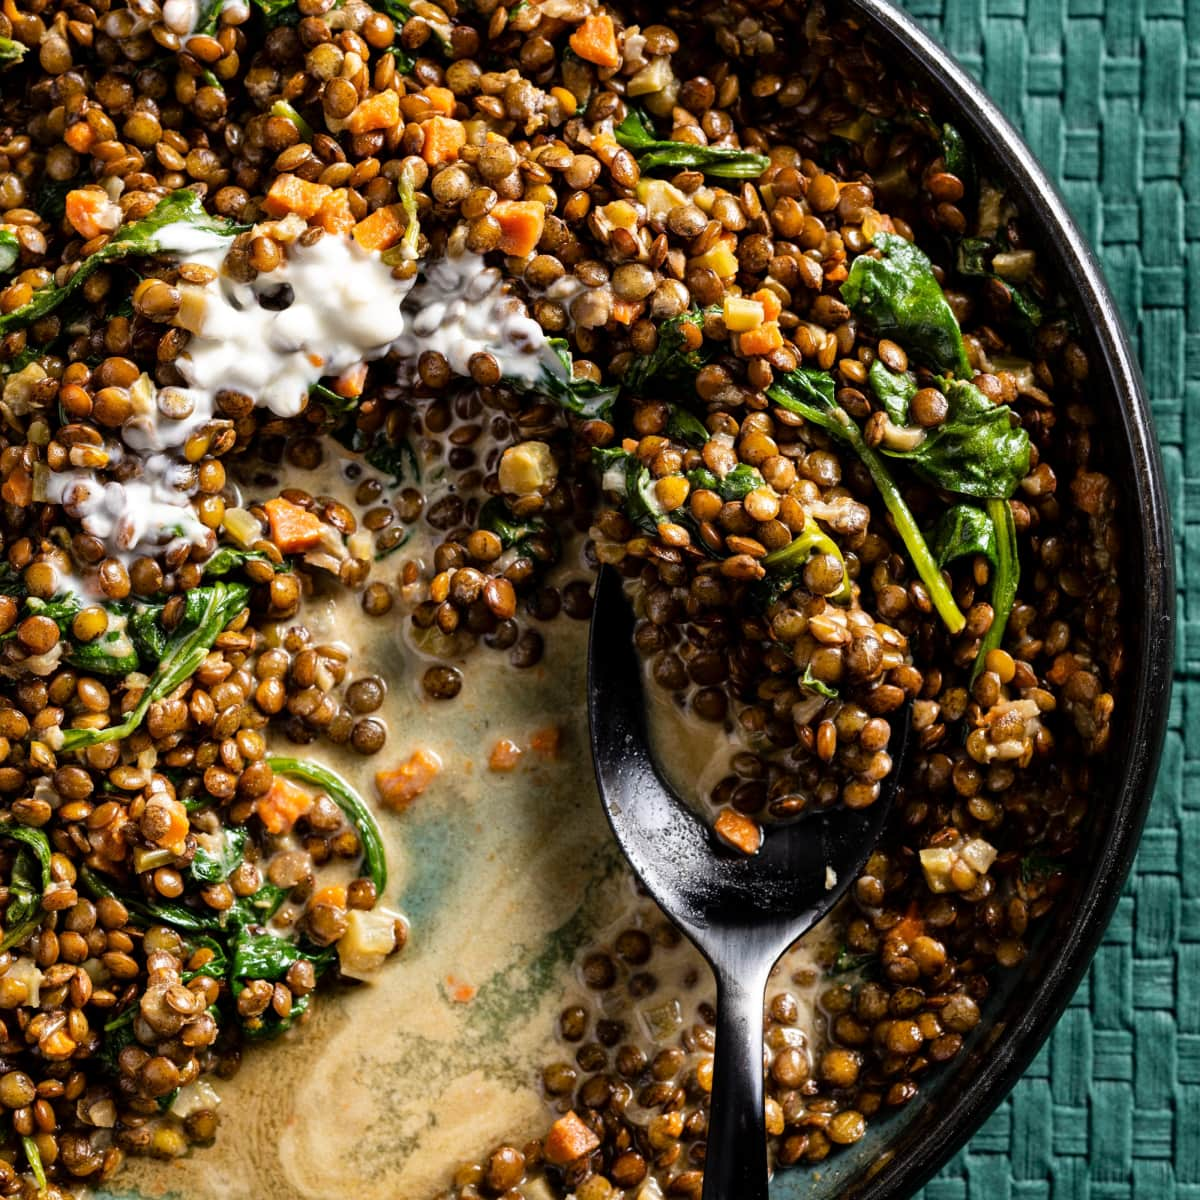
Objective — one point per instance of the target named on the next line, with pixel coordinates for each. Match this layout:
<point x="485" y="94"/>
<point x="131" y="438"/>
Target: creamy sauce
<point x="507" y="879"/>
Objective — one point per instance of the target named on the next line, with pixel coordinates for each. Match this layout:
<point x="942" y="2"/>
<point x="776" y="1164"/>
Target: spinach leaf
<point x="10" y="249"/>
<point x="495" y="517"/>
<point x="352" y="806"/>
<point x="216" y="967"/>
<point x="627" y="476"/>
<point x="957" y="158"/>
<point x="50" y="202"/>
<point x="740" y="482"/>
<point x="894" y="390"/>
<point x="810" y="393"/>
<point x="28" y="883"/>
<point x="584" y="397"/>
<point x="977" y="451"/>
<point x="785" y="566"/>
<point x="1005" y="577"/>
<point x="33" y="1156"/>
<point x="265" y="956"/>
<point x="899" y="297"/>
<point x="11" y="52"/>
<point x="227" y="559"/>
<point x="651" y="152"/>
<point x="974" y="260"/>
<point x="686" y="427"/>
<point x="209" y="609"/>
<point x="209" y="866"/>
<point x="847" y="961"/>
<point x="677" y="356"/>
<point x="813" y="684"/>
<point x="963" y="530"/>
<point x="138" y="239"/>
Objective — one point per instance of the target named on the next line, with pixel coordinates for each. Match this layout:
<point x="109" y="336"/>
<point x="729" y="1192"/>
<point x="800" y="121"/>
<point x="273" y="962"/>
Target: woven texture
<point x="1107" y="93"/>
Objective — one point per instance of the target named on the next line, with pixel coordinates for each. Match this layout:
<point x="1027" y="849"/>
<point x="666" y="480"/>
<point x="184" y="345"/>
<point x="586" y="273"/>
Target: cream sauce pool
<point x="507" y="878"/>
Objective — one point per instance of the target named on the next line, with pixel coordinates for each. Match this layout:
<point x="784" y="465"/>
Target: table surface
<point x="1107" y="93"/>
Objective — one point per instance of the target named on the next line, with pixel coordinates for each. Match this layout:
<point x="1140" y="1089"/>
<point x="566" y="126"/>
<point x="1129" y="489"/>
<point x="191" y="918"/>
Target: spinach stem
<point x="1004" y="587"/>
<point x="906" y="526"/>
<point x="348" y="800"/>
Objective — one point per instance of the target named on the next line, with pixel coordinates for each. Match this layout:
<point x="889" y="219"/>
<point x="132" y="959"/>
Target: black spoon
<point x="741" y="913"/>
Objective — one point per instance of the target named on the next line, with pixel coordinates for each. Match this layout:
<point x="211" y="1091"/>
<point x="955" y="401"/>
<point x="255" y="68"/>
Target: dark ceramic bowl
<point x="901" y="1153"/>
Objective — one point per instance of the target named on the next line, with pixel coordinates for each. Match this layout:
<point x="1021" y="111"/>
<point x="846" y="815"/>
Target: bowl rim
<point x="1150" y="659"/>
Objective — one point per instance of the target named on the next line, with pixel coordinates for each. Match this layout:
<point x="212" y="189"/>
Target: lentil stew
<point x="338" y="339"/>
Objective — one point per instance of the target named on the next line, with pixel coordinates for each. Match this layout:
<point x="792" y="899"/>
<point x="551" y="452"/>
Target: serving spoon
<point x="741" y="912"/>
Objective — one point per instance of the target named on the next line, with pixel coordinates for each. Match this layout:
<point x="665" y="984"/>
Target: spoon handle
<point x="735" y="1165"/>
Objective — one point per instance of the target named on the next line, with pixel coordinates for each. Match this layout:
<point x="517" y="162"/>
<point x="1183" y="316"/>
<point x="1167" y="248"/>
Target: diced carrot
<point x="81" y="137"/>
<point x="290" y="193"/>
<point x="596" y="40"/>
<point x="335" y="215"/>
<point x="380" y="111"/>
<point x="837" y="274"/>
<point x="625" y="312"/>
<point x="441" y="98"/>
<point x="381" y="229"/>
<point x="18" y="488"/>
<point x="459" y="990"/>
<point x="521" y="225"/>
<point x="400" y="786"/>
<point x="444" y="138"/>
<point x="910" y="927"/>
<point x="283" y="805"/>
<point x="568" y="1140"/>
<point x="546" y="742"/>
<point x="351" y="381"/>
<point x="91" y="212"/>
<point x="762" y="340"/>
<point x="169" y="820"/>
<point x="738" y="831"/>
<point x="770" y="302"/>
<point x="292" y="528"/>
<point x="333" y="894"/>
<point x="504" y="756"/>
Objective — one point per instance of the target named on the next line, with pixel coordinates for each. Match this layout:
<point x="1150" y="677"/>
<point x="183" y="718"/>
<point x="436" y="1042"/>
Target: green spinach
<point x="28" y="882"/>
<point x="899" y="297"/>
<point x="495" y="517"/>
<point x="813" y="684"/>
<point x="674" y="359"/>
<point x="963" y="530"/>
<point x="11" y="52"/>
<point x="33" y="1156"/>
<point x="653" y="153"/>
<point x="215" y="866"/>
<point x="10" y="250"/>
<point x="584" y="397"/>
<point x="810" y="393"/>
<point x="208" y="610"/>
<point x="785" y="566"/>
<point x="1005" y="576"/>
<point x="137" y="240"/>
<point x="976" y="451"/>
<point x="626" y="475"/>
<point x="734" y="485"/>
<point x="686" y="427"/>
<point x="974" y="260"/>
<point x="352" y="806"/>
<point x="894" y="390"/>
<point x="957" y="158"/>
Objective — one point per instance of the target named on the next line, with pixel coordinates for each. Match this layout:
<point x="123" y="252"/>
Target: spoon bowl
<point x="742" y="912"/>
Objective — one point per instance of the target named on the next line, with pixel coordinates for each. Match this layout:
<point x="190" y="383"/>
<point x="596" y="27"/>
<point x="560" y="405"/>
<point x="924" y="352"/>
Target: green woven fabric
<point x="1107" y="93"/>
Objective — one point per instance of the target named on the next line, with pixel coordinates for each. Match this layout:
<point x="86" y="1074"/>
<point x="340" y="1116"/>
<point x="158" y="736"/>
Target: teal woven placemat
<point x="1108" y="96"/>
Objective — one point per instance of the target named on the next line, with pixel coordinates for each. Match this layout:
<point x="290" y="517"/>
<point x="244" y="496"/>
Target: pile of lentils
<point x="142" y="101"/>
